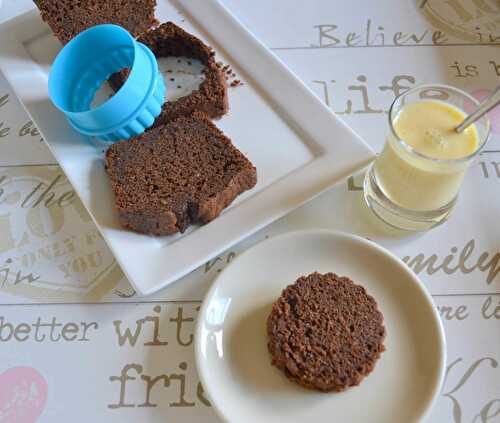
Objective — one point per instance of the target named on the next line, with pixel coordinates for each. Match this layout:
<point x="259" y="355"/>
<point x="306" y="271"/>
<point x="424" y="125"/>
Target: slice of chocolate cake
<point x="325" y="332"/>
<point x="184" y="172"/>
<point x="68" y="18"/>
<point x="211" y="97"/>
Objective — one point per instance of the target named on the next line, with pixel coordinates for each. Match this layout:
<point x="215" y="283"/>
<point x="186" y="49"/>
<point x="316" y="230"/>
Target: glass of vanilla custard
<point x="414" y="182"/>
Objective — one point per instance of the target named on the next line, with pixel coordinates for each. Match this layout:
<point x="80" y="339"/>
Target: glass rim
<point x="411" y="150"/>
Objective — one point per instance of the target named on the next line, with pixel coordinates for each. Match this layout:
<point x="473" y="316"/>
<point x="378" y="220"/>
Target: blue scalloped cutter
<point x="86" y="62"/>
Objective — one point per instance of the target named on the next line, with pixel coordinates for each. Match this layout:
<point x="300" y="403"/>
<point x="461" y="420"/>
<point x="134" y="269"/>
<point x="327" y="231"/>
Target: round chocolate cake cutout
<point x="325" y="332"/>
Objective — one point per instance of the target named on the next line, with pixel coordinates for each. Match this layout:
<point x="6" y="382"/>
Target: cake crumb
<point x="188" y="143"/>
<point x="318" y="314"/>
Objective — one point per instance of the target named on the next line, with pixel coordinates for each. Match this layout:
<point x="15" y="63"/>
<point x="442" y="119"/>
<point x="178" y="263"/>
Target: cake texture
<point x="169" y="40"/>
<point x="325" y="332"/>
<point x="174" y="175"/>
<point x="68" y="18"/>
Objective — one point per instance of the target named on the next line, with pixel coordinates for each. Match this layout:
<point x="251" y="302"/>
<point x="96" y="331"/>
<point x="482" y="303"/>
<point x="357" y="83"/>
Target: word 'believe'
<point x="372" y="35"/>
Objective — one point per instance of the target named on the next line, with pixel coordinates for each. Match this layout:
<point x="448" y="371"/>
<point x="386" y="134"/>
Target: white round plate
<point x="231" y="340"/>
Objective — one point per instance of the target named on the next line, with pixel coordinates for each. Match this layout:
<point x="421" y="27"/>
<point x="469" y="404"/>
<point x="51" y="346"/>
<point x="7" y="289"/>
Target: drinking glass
<point x="412" y="191"/>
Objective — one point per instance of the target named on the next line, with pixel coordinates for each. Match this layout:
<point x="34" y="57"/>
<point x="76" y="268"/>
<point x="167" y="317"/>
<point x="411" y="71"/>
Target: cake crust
<point x="325" y="332"/>
<point x="169" y="40"/>
<point x="185" y="172"/>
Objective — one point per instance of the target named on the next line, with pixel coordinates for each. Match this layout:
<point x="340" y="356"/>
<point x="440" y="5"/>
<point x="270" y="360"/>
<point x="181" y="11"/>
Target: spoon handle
<point x="483" y="108"/>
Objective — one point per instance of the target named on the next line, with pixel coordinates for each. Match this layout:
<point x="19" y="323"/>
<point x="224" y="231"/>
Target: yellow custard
<point x="421" y="183"/>
<point x="428" y="127"/>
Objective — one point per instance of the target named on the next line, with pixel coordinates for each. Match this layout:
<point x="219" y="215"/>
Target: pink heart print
<point x="493" y="115"/>
<point x="23" y="395"/>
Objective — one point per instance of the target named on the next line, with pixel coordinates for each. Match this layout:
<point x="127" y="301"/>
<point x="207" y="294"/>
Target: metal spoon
<point x="485" y="106"/>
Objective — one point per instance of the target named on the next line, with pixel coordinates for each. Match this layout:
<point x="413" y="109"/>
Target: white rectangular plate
<point x="300" y="148"/>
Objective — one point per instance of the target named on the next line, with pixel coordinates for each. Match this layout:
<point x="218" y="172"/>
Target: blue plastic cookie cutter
<point x="86" y="62"/>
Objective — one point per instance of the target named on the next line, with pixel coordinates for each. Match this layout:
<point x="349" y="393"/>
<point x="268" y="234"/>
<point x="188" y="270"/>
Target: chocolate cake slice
<point x="184" y="172"/>
<point x="68" y="18"/>
<point x="210" y="98"/>
<point x="325" y="332"/>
